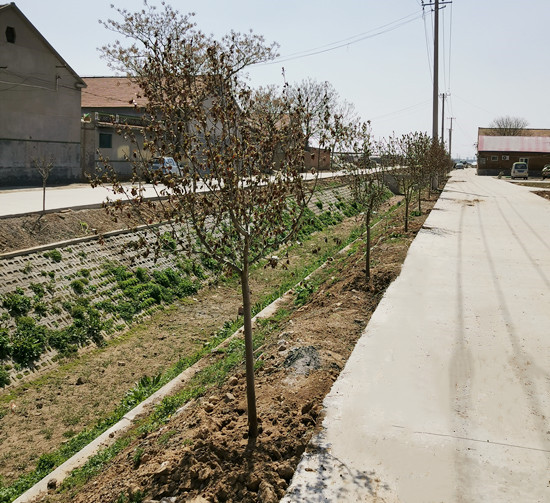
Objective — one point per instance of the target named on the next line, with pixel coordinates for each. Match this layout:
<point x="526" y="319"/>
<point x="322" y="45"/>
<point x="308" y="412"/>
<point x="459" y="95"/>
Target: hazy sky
<point x="494" y="53"/>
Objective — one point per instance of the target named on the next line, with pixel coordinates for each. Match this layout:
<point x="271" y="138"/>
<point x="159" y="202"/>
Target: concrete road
<point x="446" y="397"/>
<point x="19" y="201"/>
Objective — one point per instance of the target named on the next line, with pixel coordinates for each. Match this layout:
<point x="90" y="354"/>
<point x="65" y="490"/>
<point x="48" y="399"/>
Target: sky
<point x="378" y="54"/>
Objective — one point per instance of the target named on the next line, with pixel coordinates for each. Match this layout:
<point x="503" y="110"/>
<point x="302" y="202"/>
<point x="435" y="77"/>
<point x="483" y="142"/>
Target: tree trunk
<point x="420" y="200"/>
<point x="407" y="201"/>
<point x="44" y="197"/>
<point x="249" y="354"/>
<point x="367" y="254"/>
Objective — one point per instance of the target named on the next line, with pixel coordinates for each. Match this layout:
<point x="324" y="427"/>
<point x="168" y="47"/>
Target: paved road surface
<point x="446" y="397"/>
<point x="28" y="200"/>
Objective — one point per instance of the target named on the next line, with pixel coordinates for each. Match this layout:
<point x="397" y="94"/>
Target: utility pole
<point x="443" y="96"/>
<point x="450" y="135"/>
<point x="436" y="4"/>
<point x="436" y="70"/>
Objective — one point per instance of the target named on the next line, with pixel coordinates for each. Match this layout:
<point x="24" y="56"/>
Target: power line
<point x="374" y="32"/>
<point x="427" y="46"/>
<point x="409" y="108"/>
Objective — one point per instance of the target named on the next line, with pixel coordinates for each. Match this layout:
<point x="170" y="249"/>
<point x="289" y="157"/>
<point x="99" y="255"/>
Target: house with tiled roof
<point x="39" y="105"/>
<point x="496" y="154"/>
<point x="106" y="103"/>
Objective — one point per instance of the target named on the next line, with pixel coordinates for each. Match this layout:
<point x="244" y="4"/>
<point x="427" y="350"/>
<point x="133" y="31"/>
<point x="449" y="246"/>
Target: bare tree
<point x="317" y="99"/>
<point x="366" y="180"/>
<point x="438" y="163"/>
<point x="44" y="167"/>
<point x="408" y="155"/>
<point x="244" y="147"/>
<point x="509" y="126"/>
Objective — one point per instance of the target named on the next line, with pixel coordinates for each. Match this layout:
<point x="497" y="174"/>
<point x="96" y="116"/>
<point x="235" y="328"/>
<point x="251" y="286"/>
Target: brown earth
<point x="204" y="451"/>
<point x="29" y="231"/>
<point x="542" y="193"/>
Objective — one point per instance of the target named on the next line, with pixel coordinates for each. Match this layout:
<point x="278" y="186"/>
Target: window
<point x="10" y="34"/>
<point x="524" y="159"/>
<point x="505" y="157"/>
<point x="105" y="140"/>
<point x="494" y="158"/>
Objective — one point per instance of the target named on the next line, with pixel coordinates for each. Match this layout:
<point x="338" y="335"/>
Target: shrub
<point x="38" y="289"/>
<point x="28" y="341"/>
<point x="17" y="303"/>
<point x="40" y="308"/>
<point x="187" y="287"/>
<point x="4" y="377"/>
<point x="87" y="324"/>
<point x="126" y="311"/>
<point x="54" y="255"/>
<point x="168" y="242"/>
<point x="303" y="292"/>
<point x="142" y="275"/>
<point x="118" y="271"/>
<point x="5" y="346"/>
<point x="79" y="285"/>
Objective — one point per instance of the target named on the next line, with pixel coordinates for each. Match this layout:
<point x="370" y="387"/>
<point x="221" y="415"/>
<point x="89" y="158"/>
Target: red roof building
<point x="496" y="154"/>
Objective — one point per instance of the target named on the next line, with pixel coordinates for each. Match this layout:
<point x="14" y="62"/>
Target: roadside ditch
<point x="59" y="404"/>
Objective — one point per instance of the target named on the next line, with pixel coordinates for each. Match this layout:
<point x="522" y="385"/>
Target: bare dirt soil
<point x="29" y="231"/>
<point x="203" y="453"/>
<point x="542" y="193"/>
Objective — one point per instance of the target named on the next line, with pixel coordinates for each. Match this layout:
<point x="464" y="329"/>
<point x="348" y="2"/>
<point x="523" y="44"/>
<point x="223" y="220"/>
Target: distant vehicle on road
<point x="459" y="165"/>
<point x="166" y="164"/>
<point x="519" y="170"/>
<point x="546" y="171"/>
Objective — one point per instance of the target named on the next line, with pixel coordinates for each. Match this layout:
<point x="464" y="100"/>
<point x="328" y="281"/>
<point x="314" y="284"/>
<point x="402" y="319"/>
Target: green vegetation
<point x="27" y="269"/>
<point x="303" y="291"/>
<point x="17" y="303"/>
<point x="4" y="377"/>
<point x="54" y="255"/>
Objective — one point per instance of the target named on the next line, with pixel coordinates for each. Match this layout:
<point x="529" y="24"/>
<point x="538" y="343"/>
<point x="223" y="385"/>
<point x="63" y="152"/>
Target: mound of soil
<point x="29" y="231"/>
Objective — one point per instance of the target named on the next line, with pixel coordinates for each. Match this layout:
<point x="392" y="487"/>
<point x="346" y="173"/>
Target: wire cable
<point x="430" y="66"/>
<point x="345" y="42"/>
<point x="406" y="109"/>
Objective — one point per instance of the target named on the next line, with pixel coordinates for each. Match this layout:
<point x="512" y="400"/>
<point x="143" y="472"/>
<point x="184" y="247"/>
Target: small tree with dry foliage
<point x="242" y="147"/>
<point x="408" y="154"/>
<point x="366" y="181"/>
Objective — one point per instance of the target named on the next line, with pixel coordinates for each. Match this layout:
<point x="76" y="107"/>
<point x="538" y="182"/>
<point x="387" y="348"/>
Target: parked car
<point x="519" y="170"/>
<point x="459" y="165"/>
<point x="546" y="171"/>
<point x="166" y="164"/>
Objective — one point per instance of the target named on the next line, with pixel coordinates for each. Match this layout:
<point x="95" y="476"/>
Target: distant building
<point x="496" y="154"/>
<point x="39" y="105"/>
<point x="107" y="103"/>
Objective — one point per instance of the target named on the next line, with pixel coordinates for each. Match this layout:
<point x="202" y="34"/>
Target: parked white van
<point x="519" y="170"/>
